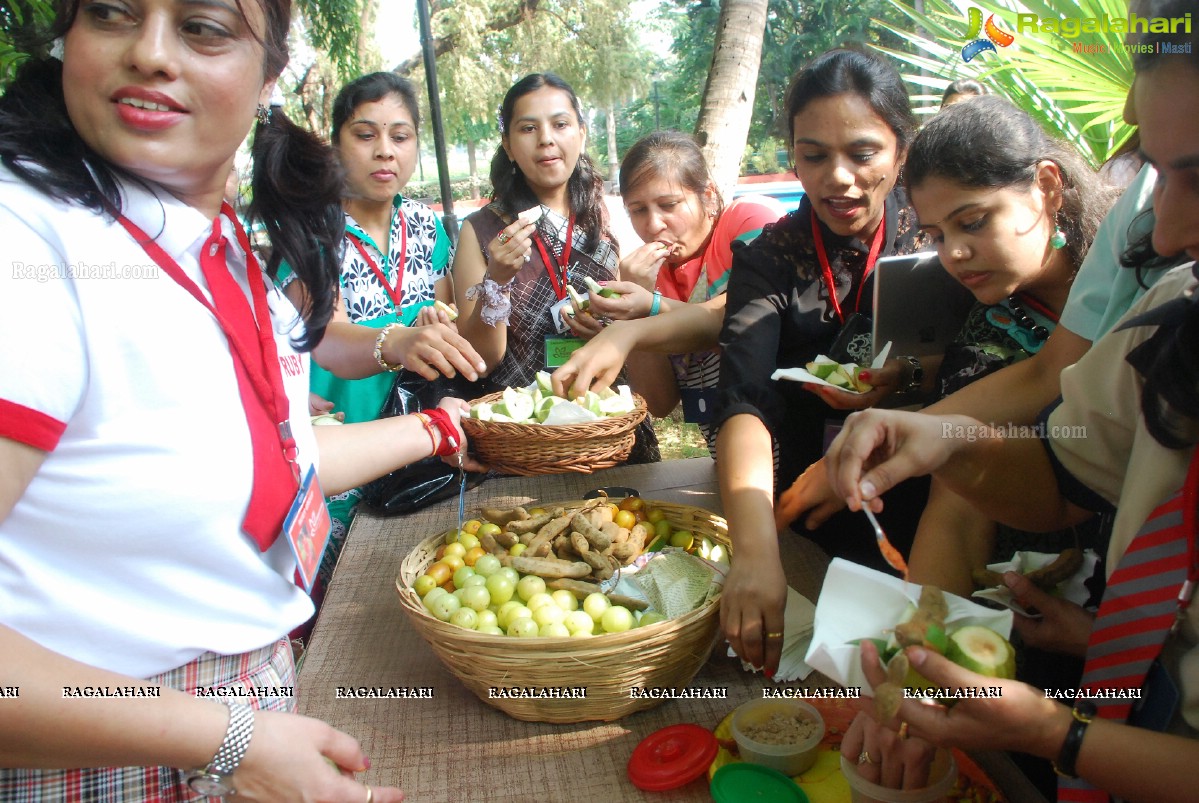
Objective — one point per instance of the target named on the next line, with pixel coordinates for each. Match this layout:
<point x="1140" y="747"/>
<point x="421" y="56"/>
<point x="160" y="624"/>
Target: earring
<point x="1058" y="238"/>
<point x="263" y="114"/>
<point x="514" y="167"/>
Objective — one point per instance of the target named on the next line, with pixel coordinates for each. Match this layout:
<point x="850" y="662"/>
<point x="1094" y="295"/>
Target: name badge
<point x="556" y="313"/>
<point x="559" y="349"/>
<point x="307" y="527"/>
<point x="699" y="404"/>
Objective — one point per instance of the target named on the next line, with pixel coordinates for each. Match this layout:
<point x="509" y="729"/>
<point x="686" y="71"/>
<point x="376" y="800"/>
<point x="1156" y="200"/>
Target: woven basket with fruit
<point x="519" y="604"/>
<point x="530" y="431"/>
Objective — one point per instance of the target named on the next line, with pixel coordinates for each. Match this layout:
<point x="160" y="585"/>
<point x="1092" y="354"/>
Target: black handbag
<point x="426" y="481"/>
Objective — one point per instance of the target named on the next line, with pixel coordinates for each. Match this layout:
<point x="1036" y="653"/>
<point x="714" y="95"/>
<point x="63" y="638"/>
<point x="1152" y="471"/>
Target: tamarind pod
<point x="638" y="538"/>
<point x="579" y="543"/>
<point x="580" y="588"/>
<point x="501" y="517"/>
<point x="489" y="543"/>
<point x="625" y="553"/>
<point x="550" y="567"/>
<point x="622" y="535"/>
<point x="1062" y="568"/>
<point x="528" y="525"/>
<point x="593" y="534"/>
<point x="506" y="539"/>
<point x="985" y="578"/>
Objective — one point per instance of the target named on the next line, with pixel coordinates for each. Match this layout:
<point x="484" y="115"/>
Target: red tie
<point x="256" y="365"/>
<point x="1145" y="596"/>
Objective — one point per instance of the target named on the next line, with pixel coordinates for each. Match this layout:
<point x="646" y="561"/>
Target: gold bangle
<point x="386" y="366"/>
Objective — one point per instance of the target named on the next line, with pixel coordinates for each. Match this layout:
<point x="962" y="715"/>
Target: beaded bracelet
<point x="383" y="363"/>
<point x="656" y="306"/>
<point x="449" y="435"/>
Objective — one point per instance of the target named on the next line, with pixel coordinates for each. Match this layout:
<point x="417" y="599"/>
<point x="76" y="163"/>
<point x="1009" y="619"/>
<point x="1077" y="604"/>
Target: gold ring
<point x="774" y="635"/>
<point x="863" y="758"/>
<point x="903" y="730"/>
<point x="504" y="237"/>
<point x="370" y="795"/>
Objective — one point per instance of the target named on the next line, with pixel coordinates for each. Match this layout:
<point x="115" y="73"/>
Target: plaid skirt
<point x="270" y="666"/>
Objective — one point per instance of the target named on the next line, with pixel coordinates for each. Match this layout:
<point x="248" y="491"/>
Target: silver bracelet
<point x="383" y="363"/>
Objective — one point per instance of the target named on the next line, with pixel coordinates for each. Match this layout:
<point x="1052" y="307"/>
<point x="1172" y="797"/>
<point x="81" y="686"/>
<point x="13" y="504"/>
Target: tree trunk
<point x="365" y="29"/>
<point x="613" y="157"/>
<point x="728" y="102"/>
<point x="474" y="168"/>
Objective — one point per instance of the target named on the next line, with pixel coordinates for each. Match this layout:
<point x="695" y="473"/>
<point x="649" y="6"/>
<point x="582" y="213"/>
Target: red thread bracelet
<point x="428" y="425"/>
<point x="449" y="434"/>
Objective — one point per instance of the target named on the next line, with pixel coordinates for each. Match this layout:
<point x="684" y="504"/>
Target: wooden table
<point x="452" y="746"/>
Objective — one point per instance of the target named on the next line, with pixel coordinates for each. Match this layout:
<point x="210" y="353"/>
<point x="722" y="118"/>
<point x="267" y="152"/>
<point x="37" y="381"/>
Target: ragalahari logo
<point x="994" y="35"/>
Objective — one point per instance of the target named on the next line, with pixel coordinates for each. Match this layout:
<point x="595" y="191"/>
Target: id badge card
<point x="559" y="349"/>
<point x="1160" y="700"/>
<point x="307" y="528"/>
<point x="699" y="404"/>
<point x="556" y="313"/>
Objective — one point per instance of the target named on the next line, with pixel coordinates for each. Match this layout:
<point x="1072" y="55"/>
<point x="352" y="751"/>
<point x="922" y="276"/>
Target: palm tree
<point x="728" y="101"/>
<point x="1079" y="94"/>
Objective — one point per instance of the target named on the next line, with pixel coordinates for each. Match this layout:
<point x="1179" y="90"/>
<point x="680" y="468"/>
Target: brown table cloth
<point x="453" y="747"/>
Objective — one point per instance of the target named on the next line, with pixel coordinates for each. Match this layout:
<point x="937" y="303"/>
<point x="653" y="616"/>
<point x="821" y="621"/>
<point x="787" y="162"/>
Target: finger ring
<point x="903" y="730"/>
<point x="774" y="635"/>
<point x="504" y="238"/>
<point x="370" y="795"/>
<point x="864" y="758"/>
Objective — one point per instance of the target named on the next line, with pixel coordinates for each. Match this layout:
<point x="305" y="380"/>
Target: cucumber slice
<point x="595" y="287"/>
<point x="821" y="367"/>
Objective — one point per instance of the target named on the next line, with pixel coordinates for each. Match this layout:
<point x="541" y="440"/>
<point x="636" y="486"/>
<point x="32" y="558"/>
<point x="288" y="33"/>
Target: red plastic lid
<point x="672" y="757"/>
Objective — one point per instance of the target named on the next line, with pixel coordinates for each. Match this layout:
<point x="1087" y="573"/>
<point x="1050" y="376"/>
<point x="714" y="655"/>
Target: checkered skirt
<point x="269" y="666"/>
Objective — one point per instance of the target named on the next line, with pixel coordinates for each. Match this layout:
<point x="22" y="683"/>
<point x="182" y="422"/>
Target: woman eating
<point x="545" y="231"/>
<point x="688" y="235"/>
<point x="156" y="431"/>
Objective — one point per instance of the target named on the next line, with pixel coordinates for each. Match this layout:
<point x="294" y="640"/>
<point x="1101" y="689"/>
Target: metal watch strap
<point x="237" y="740"/>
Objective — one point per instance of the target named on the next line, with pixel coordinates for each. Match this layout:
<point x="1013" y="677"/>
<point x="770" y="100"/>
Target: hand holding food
<point x="642" y="265"/>
<point x="622" y="301"/>
<point x="513" y="246"/>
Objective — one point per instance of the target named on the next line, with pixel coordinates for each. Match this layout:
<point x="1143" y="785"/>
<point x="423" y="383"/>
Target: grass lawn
<point x="677" y="439"/>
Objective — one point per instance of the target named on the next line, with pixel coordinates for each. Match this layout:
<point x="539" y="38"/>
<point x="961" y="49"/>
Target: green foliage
<point x="333" y="28"/>
<point x="22" y="22"/>
<point x="1078" y="95"/>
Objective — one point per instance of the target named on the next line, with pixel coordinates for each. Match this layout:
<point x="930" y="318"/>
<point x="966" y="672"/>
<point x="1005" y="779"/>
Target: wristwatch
<point x="216" y="780"/>
<point x="915" y="375"/>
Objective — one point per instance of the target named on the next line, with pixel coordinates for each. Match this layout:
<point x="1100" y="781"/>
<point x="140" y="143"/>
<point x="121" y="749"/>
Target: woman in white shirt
<point x="153" y="386"/>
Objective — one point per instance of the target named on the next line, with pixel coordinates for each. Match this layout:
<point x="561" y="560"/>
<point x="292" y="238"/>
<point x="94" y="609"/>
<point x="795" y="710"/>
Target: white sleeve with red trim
<point x="42" y="357"/>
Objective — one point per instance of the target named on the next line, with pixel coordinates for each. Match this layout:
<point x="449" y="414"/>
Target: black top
<point x="779" y="316"/>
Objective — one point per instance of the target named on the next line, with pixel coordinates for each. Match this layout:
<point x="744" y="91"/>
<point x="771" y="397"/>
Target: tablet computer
<point x="918" y="306"/>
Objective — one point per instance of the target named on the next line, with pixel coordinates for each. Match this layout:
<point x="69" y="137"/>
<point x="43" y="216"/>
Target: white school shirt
<point x="126" y="550"/>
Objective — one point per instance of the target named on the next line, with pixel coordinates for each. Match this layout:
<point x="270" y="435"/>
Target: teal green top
<point x="368" y="303"/>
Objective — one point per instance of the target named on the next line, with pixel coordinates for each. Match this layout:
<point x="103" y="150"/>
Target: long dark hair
<point x="837" y="72"/>
<point x="370" y="88"/>
<point x="296" y="182"/>
<point x="584" y="188"/>
<point x="1170" y="398"/>
<point x="990" y="143"/>
<point x="672" y="155"/>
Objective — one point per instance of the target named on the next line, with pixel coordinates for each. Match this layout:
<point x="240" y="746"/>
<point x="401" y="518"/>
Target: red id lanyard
<point x="827" y="270"/>
<point x="261" y="367"/>
<point x="1035" y="304"/>
<point x="396" y="293"/>
<point x="562" y="263"/>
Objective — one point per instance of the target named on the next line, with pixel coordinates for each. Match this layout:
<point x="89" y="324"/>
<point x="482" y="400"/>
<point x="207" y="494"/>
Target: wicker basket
<point x="529" y="449"/>
<point x="664" y="655"/>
